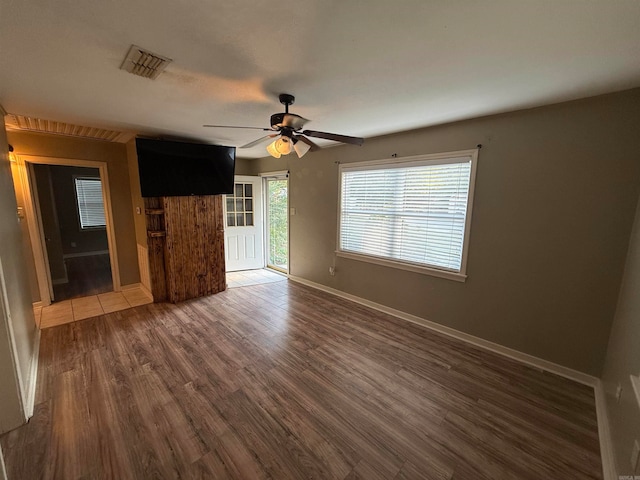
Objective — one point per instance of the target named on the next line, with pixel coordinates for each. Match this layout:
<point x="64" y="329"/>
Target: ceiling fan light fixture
<point x="289" y="127"/>
<point x="271" y="148"/>
<point x="301" y="148"/>
<point x="283" y="145"/>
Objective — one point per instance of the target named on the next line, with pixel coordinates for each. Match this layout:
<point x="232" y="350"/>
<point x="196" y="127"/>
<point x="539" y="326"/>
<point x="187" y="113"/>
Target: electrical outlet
<point x="618" y="393"/>
<point x="634" y="455"/>
<point x="332" y="271"/>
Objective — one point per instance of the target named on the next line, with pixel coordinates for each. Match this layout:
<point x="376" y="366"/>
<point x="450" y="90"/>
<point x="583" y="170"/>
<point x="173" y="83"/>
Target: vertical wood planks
<point x="156" y="248"/>
<point x="189" y="261"/>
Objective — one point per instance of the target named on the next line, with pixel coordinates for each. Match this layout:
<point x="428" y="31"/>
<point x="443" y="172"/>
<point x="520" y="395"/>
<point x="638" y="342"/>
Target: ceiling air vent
<point x="143" y="63"/>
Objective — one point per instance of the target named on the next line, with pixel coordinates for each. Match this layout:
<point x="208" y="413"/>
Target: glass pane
<point x="90" y="204"/>
<point x="239" y="205"/>
<point x="248" y="190"/>
<point x="231" y="220"/>
<point x="249" y="222"/>
<point x="278" y="219"/>
<point x="248" y="205"/>
<point x="239" y="220"/>
<point x="238" y="190"/>
<point x="414" y="214"/>
<point x="229" y="204"/>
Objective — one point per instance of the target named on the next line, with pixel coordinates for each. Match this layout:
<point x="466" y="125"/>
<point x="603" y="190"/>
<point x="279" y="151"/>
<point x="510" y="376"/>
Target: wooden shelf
<point x="154" y="211"/>
<point x="156" y="233"/>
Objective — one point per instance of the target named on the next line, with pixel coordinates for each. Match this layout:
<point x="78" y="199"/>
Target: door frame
<point x="266" y="176"/>
<point x="38" y="248"/>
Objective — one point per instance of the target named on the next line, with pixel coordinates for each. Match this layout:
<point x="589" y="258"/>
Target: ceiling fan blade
<point x="258" y="141"/>
<point x="335" y="137"/>
<point x="303" y="139"/>
<point x="294" y="121"/>
<point x="288" y="120"/>
<point x="231" y="126"/>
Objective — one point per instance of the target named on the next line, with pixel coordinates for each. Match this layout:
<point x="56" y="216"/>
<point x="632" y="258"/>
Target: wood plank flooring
<point x="280" y="381"/>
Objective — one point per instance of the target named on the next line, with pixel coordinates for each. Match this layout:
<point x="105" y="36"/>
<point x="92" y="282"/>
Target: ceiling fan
<point x="288" y="127"/>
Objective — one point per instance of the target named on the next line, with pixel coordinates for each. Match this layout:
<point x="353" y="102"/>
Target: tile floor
<point x="245" y="278"/>
<point x="75" y="309"/>
<point x="86" y="307"/>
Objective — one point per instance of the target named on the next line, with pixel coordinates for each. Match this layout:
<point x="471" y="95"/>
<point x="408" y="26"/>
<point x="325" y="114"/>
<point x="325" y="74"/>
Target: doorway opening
<point x="68" y="212"/>
<point x="277" y="222"/>
<point x="257" y="230"/>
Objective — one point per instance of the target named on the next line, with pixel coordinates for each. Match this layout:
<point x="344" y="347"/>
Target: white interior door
<point x="243" y="225"/>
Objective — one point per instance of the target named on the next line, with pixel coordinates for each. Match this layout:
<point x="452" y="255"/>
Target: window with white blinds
<point x="413" y="213"/>
<point x="90" y="204"/>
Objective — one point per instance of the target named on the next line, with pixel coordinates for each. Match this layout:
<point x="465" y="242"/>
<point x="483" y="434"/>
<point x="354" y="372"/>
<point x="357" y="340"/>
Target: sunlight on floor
<point x="245" y="278"/>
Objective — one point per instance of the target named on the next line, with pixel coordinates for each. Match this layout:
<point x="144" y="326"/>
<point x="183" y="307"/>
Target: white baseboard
<point x="143" y="266"/>
<point x="144" y="288"/>
<point x="604" y="433"/>
<point x="33" y="377"/>
<point x="85" y="254"/>
<point x="60" y="281"/>
<point x="525" y="358"/>
<point x="133" y="286"/>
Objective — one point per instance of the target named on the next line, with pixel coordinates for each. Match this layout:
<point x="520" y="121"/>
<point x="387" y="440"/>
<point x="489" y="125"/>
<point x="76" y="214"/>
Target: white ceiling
<point x="356" y="67"/>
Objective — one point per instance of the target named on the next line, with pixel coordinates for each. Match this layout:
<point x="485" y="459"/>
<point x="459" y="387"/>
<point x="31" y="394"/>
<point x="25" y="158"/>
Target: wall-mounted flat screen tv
<point x="174" y="169"/>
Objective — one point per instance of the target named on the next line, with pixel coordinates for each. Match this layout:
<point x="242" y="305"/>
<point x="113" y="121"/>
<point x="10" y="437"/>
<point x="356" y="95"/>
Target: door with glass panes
<point x="277" y="225"/>
<point x="243" y="225"/>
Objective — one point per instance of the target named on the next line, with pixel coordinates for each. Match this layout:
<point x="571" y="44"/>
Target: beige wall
<point x="623" y="359"/>
<point x="244" y="166"/>
<point x="26" y="244"/>
<point x="554" y="203"/>
<point x="18" y="330"/>
<point x="115" y="155"/>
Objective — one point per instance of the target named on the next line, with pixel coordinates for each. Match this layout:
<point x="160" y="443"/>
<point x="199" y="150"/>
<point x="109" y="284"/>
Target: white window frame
<point x="406" y="162"/>
<point x="75" y="191"/>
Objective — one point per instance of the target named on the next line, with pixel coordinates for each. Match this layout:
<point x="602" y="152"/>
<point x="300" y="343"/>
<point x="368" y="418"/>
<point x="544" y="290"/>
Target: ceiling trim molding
<point x="26" y="123"/>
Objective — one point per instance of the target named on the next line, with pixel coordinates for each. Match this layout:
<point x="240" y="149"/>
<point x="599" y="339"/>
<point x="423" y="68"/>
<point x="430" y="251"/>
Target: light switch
<point x="138" y="210"/>
<point x="292" y="211"/>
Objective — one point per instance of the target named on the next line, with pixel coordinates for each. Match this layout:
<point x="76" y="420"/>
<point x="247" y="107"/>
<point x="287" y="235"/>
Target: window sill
<point x="92" y="229"/>
<point x="434" y="272"/>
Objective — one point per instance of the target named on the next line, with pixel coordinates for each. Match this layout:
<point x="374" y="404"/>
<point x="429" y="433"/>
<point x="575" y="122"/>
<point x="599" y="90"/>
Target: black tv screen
<point x="174" y="169"/>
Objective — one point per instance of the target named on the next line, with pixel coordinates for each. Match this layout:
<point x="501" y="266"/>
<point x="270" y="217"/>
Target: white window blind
<point x="90" y="204"/>
<point x="414" y="212"/>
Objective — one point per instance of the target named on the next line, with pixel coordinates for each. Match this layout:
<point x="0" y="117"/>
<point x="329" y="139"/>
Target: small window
<point x="90" y="204"/>
<point x="240" y="206"/>
<point x="412" y="213"/>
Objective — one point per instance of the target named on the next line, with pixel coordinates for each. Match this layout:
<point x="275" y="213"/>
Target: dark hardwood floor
<point x="280" y="381"/>
<point x="87" y="276"/>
